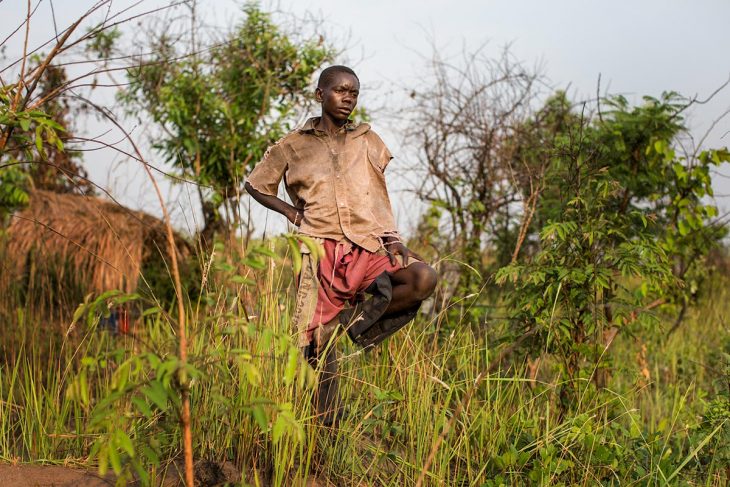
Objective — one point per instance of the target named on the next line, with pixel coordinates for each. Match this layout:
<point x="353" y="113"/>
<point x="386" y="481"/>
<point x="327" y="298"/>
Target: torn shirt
<point x="336" y="179"/>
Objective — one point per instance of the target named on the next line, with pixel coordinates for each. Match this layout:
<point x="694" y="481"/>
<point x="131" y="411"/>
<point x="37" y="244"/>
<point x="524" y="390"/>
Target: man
<point x="333" y="173"/>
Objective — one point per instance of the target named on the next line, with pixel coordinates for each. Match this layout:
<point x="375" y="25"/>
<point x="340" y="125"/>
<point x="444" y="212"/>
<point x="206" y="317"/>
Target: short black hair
<point x="327" y="74"/>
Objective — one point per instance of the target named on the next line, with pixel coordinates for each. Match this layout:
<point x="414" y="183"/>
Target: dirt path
<point x="26" y="475"/>
<point x="58" y="476"/>
<point x="50" y="476"/>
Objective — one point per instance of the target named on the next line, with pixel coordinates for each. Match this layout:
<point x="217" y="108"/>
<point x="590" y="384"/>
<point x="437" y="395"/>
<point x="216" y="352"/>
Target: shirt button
<point x="342" y="204"/>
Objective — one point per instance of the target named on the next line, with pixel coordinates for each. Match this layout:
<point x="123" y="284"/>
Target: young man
<point x="333" y="172"/>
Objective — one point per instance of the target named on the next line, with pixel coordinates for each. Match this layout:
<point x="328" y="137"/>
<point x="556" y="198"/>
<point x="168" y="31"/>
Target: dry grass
<point x="99" y="244"/>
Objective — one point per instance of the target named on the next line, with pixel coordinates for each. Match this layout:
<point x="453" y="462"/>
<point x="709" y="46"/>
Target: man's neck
<point x="330" y="125"/>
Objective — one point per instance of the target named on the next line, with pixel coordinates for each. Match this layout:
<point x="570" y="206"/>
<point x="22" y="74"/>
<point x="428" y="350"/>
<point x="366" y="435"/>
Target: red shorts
<point x="342" y="275"/>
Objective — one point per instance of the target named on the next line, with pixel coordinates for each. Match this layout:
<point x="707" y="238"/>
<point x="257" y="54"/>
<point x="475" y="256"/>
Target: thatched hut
<point x="67" y="245"/>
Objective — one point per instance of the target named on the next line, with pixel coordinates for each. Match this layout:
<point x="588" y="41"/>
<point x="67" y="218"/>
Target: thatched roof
<point x="102" y="243"/>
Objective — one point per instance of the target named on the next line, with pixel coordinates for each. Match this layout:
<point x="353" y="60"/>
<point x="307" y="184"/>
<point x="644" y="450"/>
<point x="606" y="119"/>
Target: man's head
<point x="337" y="90"/>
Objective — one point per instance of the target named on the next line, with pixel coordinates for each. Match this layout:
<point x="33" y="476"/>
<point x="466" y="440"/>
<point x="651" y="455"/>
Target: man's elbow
<point x="249" y="189"/>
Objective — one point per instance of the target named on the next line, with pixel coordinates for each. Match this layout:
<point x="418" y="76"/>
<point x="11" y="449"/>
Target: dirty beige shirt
<point x="338" y="180"/>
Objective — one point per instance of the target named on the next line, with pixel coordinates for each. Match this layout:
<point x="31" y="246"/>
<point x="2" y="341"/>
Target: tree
<point x="624" y="224"/>
<point x="461" y="123"/>
<point x="222" y="104"/>
<point x="50" y="165"/>
<point x="36" y="109"/>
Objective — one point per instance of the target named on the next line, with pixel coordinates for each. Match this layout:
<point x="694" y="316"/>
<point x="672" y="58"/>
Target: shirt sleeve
<point x="377" y="151"/>
<point x="268" y="173"/>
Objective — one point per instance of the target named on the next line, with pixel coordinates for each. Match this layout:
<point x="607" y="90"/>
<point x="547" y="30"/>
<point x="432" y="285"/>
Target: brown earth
<point x="207" y="474"/>
<point x="59" y="476"/>
<point x="49" y="476"/>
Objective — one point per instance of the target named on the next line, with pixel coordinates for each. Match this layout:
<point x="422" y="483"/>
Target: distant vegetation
<point x="579" y="334"/>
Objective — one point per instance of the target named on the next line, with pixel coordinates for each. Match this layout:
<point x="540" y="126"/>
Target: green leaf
<point x="39" y="139"/>
<point x="252" y="373"/>
<point x="142" y="407"/>
<point x="141" y="471"/>
<point x="151" y="455"/>
<point x="83" y="388"/>
<point x="114" y="460"/>
<point x="254" y="263"/>
<point x="259" y="415"/>
<point x="103" y="460"/>
<point x="291" y="365"/>
<point x="280" y="427"/>
<point x="151" y="311"/>
<point x="123" y="441"/>
<point x="260" y="249"/>
<point x="315" y="248"/>
<point x="156" y="393"/>
<point x="242" y="280"/>
<point x="684" y="228"/>
<point x="296" y="255"/>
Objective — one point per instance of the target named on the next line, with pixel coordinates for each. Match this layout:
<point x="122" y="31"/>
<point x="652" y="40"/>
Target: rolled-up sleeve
<point x="267" y="174"/>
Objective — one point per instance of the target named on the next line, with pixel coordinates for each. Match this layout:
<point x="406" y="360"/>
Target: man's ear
<point x="318" y="94"/>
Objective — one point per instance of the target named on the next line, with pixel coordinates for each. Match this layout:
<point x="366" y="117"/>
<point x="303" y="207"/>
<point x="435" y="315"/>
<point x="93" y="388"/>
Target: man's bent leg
<point x="361" y="317"/>
<point x="411" y="285"/>
<point x="375" y="319"/>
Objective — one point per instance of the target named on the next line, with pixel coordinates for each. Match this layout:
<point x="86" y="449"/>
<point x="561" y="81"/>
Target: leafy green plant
<point x="220" y="107"/>
<point x="625" y="222"/>
<point x="26" y="135"/>
<point x="136" y="416"/>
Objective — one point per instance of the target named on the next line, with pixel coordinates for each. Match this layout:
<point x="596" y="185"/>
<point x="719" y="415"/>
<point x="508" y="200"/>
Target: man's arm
<point x="293" y="214"/>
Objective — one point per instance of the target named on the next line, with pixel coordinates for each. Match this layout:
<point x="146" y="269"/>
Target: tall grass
<point x="63" y="392"/>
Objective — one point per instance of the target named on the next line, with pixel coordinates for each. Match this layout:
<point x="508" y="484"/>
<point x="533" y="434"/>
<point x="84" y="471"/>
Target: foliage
<point x="143" y="391"/>
<point x="116" y="397"/>
<point x="42" y="153"/>
<point x="28" y="136"/>
<point x="625" y="221"/>
<point x="714" y="428"/>
<point x="459" y="120"/>
<point x="13" y="191"/>
<point x="220" y="106"/>
<point x="101" y="42"/>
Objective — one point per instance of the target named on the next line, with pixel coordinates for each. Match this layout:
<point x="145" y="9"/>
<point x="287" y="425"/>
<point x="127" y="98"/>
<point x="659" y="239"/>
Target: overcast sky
<point x="637" y="47"/>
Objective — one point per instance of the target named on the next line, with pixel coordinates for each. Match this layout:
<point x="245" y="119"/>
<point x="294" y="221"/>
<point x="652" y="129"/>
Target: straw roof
<point x="86" y="240"/>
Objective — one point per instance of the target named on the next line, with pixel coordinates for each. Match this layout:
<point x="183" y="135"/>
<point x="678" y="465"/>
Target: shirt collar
<point x="356" y="129"/>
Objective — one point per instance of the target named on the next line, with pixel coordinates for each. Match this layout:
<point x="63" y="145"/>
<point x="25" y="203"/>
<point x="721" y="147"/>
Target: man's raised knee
<point x="425" y="282"/>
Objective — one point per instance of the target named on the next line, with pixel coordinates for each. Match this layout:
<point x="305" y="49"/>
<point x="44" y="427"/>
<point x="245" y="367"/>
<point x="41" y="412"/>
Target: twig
<point x="531" y="205"/>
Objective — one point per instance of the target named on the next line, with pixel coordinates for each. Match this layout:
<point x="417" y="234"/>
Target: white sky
<point x="638" y="47"/>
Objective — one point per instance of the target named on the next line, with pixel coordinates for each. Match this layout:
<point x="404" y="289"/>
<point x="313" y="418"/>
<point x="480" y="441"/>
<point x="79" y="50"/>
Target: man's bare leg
<point x="323" y="358"/>
<point x="411" y="285"/>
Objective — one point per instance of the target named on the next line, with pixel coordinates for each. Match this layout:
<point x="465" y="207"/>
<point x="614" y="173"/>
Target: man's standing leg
<point x="322" y="355"/>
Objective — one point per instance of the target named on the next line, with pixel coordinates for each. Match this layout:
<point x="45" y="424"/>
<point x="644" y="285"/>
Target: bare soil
<point x="206" y="475"/>
<point x="50" y="476"/>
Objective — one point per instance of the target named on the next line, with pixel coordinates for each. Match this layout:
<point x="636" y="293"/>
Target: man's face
<point x="339" y="96"/>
